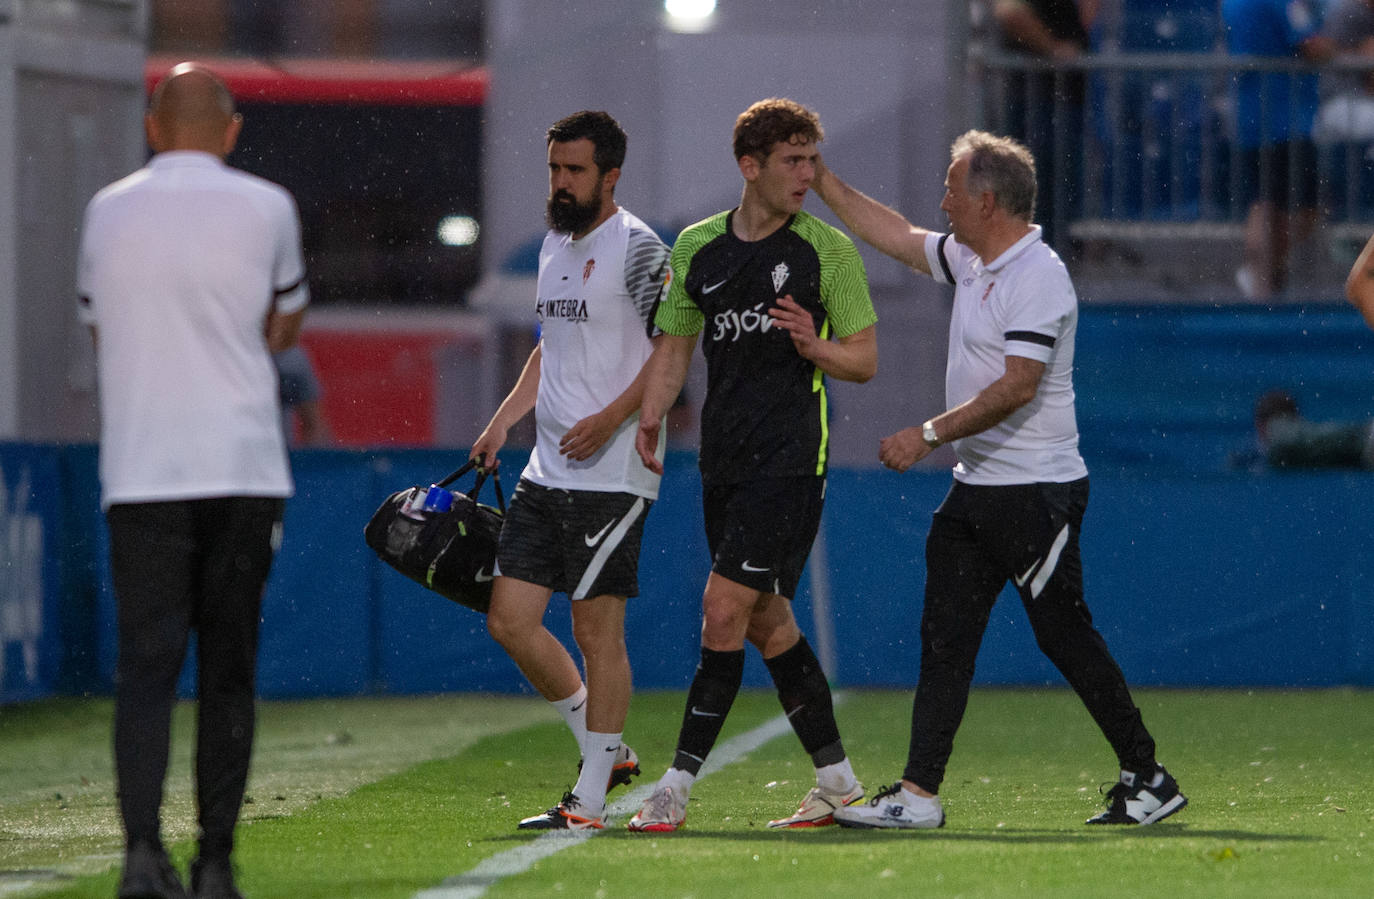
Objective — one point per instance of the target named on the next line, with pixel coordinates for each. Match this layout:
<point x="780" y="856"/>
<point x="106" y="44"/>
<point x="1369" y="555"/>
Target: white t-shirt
<point x="180" y="263"/>
<point x="1022" y="304"/>
<point x="596" y="299"/>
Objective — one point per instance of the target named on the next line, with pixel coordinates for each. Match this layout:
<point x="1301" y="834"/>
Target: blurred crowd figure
<point x="1284" y="439"/>
<point x="1347" y="107"/>
<point x="1045" y="110"/>
<point x="1275" y="112"/>
<point x="302" y="410"/>
<point x="1298" y="138"/>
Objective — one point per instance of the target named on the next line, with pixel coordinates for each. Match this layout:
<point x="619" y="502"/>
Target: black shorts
<point x="579" y="542"/>
<point x="760" y="532"/>
<point x="1284" y="174"/>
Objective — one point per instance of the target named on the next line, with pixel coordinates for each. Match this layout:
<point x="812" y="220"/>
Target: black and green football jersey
<point x="765" y="413"/>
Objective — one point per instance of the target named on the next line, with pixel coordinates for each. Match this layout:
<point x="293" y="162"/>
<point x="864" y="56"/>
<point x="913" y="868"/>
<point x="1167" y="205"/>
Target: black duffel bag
<point x="451" y="551"/>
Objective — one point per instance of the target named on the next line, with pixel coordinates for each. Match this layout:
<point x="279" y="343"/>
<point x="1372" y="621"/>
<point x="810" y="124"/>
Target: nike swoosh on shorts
<point x="593" y="540"/>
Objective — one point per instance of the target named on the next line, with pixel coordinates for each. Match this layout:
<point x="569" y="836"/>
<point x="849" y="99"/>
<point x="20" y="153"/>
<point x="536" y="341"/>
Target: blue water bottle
<point x="437" y="499"/>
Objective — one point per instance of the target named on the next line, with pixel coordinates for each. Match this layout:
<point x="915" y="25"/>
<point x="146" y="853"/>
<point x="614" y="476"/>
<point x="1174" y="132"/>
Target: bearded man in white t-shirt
<point x="577" y="515"/>
<point x="190" y="274"/>
<point x="1020" y="486"/>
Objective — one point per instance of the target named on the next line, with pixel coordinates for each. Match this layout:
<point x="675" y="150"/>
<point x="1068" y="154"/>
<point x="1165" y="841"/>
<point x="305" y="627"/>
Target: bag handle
<point x="482" y="474"/>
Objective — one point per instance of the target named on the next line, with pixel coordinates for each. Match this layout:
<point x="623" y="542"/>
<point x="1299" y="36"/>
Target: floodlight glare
<point x="689" y="15"/>
<point x="458" y="230"/>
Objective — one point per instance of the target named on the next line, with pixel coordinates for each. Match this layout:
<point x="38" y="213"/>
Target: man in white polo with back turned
<point x="190" y="273"/>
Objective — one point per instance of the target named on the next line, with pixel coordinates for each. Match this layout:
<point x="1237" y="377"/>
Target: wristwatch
<point x="928" y="434"/>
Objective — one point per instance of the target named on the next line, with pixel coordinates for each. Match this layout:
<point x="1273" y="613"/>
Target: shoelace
<point x="1118" y="792"/>
<point x="885" y="792"/>
<point x="566" y="804"/>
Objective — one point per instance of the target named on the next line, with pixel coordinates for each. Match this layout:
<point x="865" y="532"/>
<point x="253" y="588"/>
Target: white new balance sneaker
<point x="817" y="809"/>
<point x="663" y="812"/>
<point x="890" y="808"/>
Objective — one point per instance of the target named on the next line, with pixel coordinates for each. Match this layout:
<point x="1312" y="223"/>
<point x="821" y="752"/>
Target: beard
<point x="566" y="215"/>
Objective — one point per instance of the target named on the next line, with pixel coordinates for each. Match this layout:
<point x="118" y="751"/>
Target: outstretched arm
<point x="884" y="228"/>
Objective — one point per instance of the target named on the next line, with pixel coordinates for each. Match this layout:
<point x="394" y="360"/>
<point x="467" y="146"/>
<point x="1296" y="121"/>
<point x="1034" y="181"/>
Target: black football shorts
<point x="579" y="542"/>
<point x="760" y="532"/>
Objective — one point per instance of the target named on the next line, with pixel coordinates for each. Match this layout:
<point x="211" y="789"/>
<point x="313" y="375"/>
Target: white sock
<point x="574" y="712"/>
<point x="913" y="800"/>
<point x="596" y="772"/>
<point x="680" y="781"/>
<point x="837" y="778"/>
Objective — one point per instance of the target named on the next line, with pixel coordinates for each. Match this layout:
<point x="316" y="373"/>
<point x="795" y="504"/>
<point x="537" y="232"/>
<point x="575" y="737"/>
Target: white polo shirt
<point x="596" y="298"/>
<point x="180" y="263"/>
<point x="1021" y="304"/>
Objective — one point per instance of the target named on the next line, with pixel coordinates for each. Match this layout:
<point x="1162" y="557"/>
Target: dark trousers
<point x="980" y="538"/>
<point x="178" y="566"/>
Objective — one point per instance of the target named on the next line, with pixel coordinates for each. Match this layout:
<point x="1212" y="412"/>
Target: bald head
<point x="191" y="109"/>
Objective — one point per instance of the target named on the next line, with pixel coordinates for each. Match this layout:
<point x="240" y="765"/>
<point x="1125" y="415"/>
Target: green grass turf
<point x="57" y="803"/>
<point x="1281" y="804"/>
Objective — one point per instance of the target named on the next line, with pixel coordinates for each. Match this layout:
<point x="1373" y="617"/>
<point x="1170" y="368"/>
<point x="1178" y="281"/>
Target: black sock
<point x="805" y="697"/>
<point x="713" y="691"/>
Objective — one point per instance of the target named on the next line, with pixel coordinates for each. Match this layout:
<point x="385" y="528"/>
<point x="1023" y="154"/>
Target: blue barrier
<point x="1195" y="579"/>
<point x="32" y="532"/>
<point x="1196" y="575"/>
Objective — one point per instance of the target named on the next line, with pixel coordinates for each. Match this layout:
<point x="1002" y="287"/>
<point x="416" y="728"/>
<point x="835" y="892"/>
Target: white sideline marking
<point x="515" y="861"/>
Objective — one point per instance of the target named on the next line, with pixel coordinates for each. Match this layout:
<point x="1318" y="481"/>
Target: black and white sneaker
<point x="566" y="815"/>
<point x="1133" y="801"/>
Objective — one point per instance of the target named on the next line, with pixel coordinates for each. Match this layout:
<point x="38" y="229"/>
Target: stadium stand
<point x="1158" y="159"/>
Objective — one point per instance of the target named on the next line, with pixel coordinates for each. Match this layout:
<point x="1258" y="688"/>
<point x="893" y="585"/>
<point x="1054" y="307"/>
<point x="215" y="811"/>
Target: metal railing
<point x="1142" y="146"/>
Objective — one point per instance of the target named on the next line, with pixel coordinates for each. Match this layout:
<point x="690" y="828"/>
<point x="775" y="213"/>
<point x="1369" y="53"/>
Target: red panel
<point x="378" y="388"/>
<point x="341" y="81"/>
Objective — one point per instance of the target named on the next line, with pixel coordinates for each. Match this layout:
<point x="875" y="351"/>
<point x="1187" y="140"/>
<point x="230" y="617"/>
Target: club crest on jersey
<point x="587" y="270"/>
<point x="780" y="273"/>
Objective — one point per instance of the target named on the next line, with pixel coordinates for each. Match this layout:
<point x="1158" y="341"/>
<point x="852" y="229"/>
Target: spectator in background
<point x="1286" y="440"/>
<point x="1345" y="120"/>
<point x="1045" y="109"/>
<point x="189" y="273"/>
<point x="299" y="390"/>
<point x="1274" y="118"/>
<point x="1348" y="110"/>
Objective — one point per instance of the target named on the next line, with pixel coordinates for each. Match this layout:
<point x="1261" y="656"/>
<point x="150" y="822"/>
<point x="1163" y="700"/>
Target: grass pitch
<point x="383" y="798"/>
